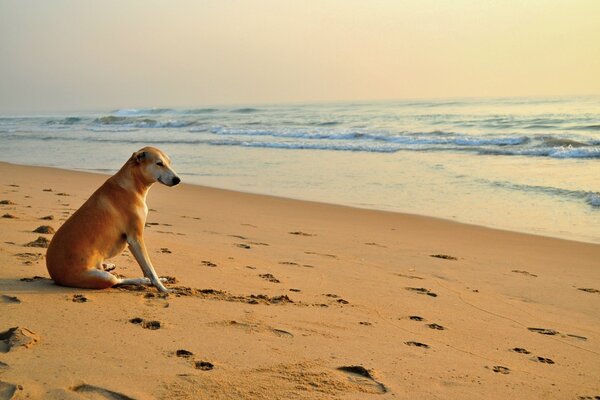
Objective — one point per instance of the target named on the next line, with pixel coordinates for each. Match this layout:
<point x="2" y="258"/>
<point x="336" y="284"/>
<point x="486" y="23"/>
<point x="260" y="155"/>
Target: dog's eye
<point x="160" y="164"/>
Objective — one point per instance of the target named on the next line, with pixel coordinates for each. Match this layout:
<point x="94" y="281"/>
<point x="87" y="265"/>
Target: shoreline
<point x="280" y="298"/>
<point x="317" y="202"/>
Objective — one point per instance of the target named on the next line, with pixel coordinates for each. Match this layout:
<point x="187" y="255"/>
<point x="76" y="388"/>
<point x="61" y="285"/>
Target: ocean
<point x="522" y="164"/>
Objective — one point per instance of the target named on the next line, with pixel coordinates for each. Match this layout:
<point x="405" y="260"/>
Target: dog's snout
<point x="176" y="180"/>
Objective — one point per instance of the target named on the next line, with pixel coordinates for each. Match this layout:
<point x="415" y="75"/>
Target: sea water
<point x="529" y="165"/>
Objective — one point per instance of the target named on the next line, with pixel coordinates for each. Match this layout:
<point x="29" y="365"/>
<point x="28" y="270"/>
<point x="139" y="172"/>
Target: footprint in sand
<point x="17" y="337"/>
<point x="575" y="336"/>
<point x="9" y="216"/>
<point x="165" y="250"/>
<point x="171" y="233"/>
<point x="518" y="271"/>
<point x="79" y="298"/>
<point x="543" y="360"/>
<point x="39" y="242"/>
<point x="364" y="377"/>
<point x="501" y="370"/>
<point x="444" y="257"/>
<point x="299" y="233"/>
<point x="243" y="246"/>
<point x="156" y="299"/>
<point x="29" y="258"/>
<point x="48" y="218"/>
<point x="45" y="229"/>
<point x="321" y="254"/>
<point x="295" y="264"/>
<point x="207" y="263"/>
<point x="520" y="350"/>
<point x="588" y="397"/>
<point x="436" y="327"/>
<point x="152" y="325"/>
<point x="270" y="278"/>
<point x="422" y="291"/>
<point x="416" y="318"/>
<point x="417" y="344"/>
<point x="376" y="245"/>
<point x="186" y="216"/>
<point x="8" y="390"/>
<point x="409" y="276"/>
<point x="183" y="353"/>
<point x="544" y="331"/>
<point x="6" y="203"/>
<point x="338" y="299"/>
<point x="101" y="392"/>
<point x="589" y="290"/>
<point x="203" y="365"/>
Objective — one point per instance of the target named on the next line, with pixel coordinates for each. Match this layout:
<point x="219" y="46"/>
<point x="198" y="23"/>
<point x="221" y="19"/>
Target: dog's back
<point x="89" y="236"/>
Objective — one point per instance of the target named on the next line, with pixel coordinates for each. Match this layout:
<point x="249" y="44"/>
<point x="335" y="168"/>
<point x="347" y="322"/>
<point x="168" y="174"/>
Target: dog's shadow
<point x="35" y="284"/>
<point x="45" y="285"/>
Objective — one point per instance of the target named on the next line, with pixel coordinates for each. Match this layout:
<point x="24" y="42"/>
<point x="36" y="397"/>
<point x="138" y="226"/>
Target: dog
<point x="112" y="218"/>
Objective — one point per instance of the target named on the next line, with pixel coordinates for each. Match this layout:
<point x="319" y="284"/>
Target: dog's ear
<point x="139" y="156"/>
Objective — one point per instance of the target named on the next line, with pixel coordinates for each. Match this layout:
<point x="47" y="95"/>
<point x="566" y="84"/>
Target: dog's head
<point x="155" y="166"/>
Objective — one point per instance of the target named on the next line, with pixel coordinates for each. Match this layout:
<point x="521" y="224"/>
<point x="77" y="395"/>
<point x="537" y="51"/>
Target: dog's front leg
<point x="138" y="248"/>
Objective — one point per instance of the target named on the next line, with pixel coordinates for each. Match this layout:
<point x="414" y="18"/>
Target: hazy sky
<point x="85" y="54"/>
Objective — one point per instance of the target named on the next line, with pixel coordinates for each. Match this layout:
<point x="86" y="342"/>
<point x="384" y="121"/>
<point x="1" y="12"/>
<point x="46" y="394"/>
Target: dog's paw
<point x="108" y="266"/>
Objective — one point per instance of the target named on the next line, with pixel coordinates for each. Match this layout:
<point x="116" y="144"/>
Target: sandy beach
<point x="274" y="298"/>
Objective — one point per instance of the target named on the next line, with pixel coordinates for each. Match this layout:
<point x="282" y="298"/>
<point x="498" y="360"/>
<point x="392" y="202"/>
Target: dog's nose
<point x="176" y="180"/>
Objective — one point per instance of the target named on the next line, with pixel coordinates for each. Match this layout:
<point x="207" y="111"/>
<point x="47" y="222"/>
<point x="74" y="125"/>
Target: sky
<point x="68" y="55"/>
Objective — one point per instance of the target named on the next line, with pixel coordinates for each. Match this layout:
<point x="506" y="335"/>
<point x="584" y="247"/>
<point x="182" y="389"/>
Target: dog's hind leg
<point x="99" y="279"/>
<point x="134" y="281"/>
<point x="95" y="279"/>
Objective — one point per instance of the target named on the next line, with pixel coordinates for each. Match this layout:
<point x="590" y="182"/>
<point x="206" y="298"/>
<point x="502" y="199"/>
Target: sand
<point x="281" y="299"/>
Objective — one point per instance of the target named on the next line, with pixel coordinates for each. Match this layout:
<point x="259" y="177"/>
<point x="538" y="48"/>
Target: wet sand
<point x="281" y="299"/>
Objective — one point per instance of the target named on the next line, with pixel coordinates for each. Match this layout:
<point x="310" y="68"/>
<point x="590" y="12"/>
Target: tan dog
<point x="113" y="217"/>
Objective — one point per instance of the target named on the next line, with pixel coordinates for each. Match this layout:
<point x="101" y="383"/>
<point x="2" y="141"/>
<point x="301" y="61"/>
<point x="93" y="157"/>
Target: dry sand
<point x="284" y="299"/>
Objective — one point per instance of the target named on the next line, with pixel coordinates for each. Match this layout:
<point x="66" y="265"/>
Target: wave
<point x="137" y="122"/>
<point x="245" y="110"/>
<point x="124" y="112"/>
<point x="553" y="152"/>
<point x="65" y="121"/>
<point x="432" y="138"/>
<point x="310" y="146"/>
<point x="594" y="127"/>
<point x="335" y="141"/>
<point x="560" y="142"/>
<point x="327" y="123"/>
<point x="591" y="198"/>
<point x="200" y="111"/>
